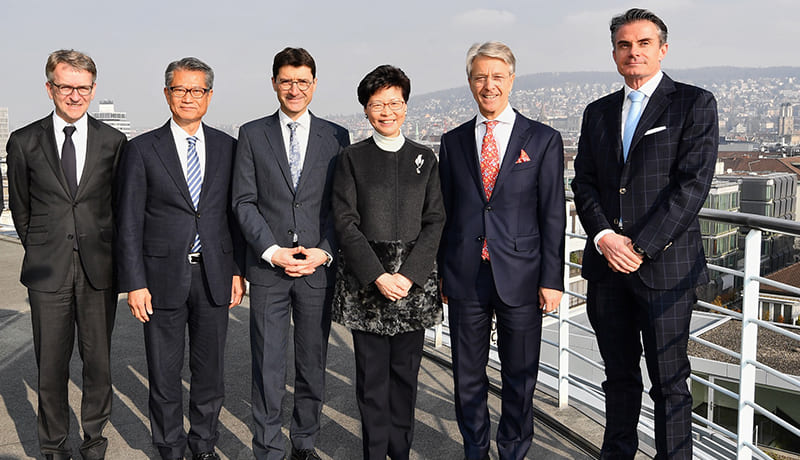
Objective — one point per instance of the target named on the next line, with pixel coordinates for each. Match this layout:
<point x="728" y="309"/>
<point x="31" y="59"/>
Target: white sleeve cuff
<point x="267" y="255"/>
<point x="600" y="236"/>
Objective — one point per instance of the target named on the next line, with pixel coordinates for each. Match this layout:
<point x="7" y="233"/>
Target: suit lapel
<point x="513" y="150"/>
<point x="92" y="152"/>
<point x="164" y="146"/>
<point x="212" y="162"/>
<point x="274" y="135"/>
<point x="47" y="141"/>
<point x="472" y="154"/>
<point x="613" y="119"/>
<point x="313" y="149"/>
<point x="658" y="102"/>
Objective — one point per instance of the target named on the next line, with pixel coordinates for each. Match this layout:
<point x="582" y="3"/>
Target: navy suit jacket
<point x="46" y="216"/>
<point x="157" y="222"/>
<point x="659" y="191"/>
<point x="523" y="221"/>
<point x="268" y="208"/>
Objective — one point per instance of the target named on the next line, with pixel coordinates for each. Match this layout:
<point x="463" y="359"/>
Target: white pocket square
<point x="655" y="130"/>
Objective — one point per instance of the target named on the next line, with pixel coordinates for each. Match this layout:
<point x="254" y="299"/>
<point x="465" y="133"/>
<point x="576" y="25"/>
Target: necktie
<point x="490" y="166"/>
<point x="634" y="114"/>
<point x="294" y="153"/>
<point x="68" y="162"/>
<point x="195" y="182"/>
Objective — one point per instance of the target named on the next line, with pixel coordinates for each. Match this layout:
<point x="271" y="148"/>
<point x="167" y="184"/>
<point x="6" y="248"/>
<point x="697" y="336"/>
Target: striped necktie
<point x="194" y="180"/>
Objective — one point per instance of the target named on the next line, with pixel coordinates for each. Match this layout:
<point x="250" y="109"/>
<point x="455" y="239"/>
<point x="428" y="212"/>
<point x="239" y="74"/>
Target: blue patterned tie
<point x="195" y="181"/>
<point x="294" y="153"/>
<point x="634" y="114"/>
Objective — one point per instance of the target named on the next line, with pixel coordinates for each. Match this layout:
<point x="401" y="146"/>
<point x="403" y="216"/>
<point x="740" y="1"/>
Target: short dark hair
<point x="190" y="64"/>
<point x="637" y="14"/>
<point x="384" y="76"/>
<point x="293" y="57"/>
<point x="72" y="58"/>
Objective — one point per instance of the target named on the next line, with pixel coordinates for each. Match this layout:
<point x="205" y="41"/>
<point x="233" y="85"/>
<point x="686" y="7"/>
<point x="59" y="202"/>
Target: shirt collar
<point x="507" y="116"/>
<point x="180" y="133"/>
<point x="59" y="123"/>
<point x="648" y="88"/>
<point x="303" y="120"/>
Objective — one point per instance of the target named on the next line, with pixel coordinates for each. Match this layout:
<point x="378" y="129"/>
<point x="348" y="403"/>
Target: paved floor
<point x="436" y="435"/>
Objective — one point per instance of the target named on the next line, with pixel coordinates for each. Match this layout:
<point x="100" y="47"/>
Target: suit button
<point x="479" y="238"/>
<point x="69" y="237"/>
<point x="616" y="221"/>
<point x="297" y="205"/>
<point x="488" y="208"/>
<point x="623" y="191"/>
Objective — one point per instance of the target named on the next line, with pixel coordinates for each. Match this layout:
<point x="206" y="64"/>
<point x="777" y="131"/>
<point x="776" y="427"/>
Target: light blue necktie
<point x="194" y="179"/>
<point x="634" y="114"/>
<point x="294" y="153"/>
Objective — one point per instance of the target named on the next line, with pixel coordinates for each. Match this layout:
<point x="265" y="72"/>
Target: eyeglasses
<point x="180" y="92"/>
<point x="302" y="85"/>
<point x="66" y="90"/>
<point x="394" y="106"/>
<point x="481" y="80"/>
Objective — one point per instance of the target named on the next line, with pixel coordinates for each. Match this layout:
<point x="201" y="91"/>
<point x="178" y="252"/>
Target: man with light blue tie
<point x="180" y="259"/>
<point x="282" y="198"/>
<point x="645" y="162"/>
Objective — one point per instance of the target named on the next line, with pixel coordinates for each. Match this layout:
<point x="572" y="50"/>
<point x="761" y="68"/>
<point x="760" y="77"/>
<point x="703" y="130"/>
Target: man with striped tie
<point x="179" y="257"/>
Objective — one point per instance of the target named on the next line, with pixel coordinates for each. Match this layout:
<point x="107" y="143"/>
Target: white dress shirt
<point x="79" y="138"/>
<point x="179" y="136"/>
<point x="502" y="131"/>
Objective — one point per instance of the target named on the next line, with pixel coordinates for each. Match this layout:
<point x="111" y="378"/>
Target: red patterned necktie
<point x="490" y="166"/>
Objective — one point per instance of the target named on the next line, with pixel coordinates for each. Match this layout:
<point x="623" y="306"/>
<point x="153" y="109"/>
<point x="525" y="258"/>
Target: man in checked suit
<point x="60" y="170"/>
<point x="502" y="250"/>
<point x="179" y="257"/>
<point x="645" y="162"/>
<point x="282" y="198"/>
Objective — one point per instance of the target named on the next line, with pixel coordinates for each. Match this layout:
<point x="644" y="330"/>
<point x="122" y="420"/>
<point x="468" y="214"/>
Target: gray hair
<point x="495" y="50"/>
<point x="72" y="58"/>
<point x="637" y="14"/>
<point x="190" y="64"/>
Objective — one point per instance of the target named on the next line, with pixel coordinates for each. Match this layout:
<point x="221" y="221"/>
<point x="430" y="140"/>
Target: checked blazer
<point x="655" y="196"/>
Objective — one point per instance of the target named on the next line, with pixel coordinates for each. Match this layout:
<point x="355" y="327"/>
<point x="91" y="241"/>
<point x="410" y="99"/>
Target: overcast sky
<point x="132" y="41"/>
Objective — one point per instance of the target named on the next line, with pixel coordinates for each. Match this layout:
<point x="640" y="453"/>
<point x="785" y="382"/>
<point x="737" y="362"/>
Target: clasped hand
<point x="306" y="262"/>
<point x="618" y="251"/>
<point x="393" y="287"/>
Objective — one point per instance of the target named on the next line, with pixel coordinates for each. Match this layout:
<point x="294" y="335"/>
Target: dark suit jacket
<point x="48" y="218"/>
<point x="267" y="206"/>
<point x="660" y="189"/>
<point x="157" y="222"/>
<point x="523" y="221"/>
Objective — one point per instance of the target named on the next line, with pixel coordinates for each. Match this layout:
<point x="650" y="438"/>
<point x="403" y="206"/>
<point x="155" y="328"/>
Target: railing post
<point x="747" y="376"/>
<point x="563" y="333"/>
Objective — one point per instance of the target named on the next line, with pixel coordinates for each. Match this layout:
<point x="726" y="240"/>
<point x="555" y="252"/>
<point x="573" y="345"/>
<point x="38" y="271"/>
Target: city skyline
<point x="132" y="45"/>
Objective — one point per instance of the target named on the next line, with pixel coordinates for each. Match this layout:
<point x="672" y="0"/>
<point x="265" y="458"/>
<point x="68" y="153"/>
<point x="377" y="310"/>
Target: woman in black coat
<point x="389" y="216"/>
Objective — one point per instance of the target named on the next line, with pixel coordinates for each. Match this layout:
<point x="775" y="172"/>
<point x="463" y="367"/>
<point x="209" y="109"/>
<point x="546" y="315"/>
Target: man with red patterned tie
<point x="502" y="250"/>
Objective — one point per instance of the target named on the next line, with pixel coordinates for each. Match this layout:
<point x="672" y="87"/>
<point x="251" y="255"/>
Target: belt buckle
<point x="194" y="258"/>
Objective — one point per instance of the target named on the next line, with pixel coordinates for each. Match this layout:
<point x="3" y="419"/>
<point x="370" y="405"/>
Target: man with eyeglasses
<point x="502" y="251"/>
<point x="282" y="198"/>
<point x="60" y="172"/>
<point x="180" y="258"/>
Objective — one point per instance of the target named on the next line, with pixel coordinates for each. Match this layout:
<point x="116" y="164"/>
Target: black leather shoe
<point x="206" y="456"/>
<point x="304" y="454"/>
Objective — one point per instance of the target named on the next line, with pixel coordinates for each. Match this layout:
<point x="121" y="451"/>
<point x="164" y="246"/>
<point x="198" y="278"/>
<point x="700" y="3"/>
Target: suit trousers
<point x="164" y="340"/>
<point x="271" y="308"/>
<point x="55" y="317"/>
<point x="387" y="367"/>
<point x="519" y="333"/>
<point x="627" y="316"/>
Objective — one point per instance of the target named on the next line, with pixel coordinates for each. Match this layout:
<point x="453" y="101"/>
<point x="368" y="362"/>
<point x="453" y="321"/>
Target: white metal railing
<point x="712" y="440"/>
<point x="748" y="363"/>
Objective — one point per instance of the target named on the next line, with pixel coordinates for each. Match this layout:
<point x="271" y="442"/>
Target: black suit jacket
<point x="268" y="208"/>
<point x="157" y="222"/>
<point x="46" y="216"/>
<point x="659" y="191"/>
<point x="523" y="221"/>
